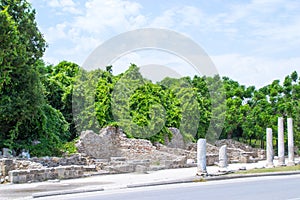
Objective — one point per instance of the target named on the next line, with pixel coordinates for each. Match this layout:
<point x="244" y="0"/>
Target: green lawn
<point x="275" y="169"/>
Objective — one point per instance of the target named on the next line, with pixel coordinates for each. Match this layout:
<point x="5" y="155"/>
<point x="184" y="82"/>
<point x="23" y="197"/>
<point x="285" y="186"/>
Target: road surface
<point x="282" y="187"/>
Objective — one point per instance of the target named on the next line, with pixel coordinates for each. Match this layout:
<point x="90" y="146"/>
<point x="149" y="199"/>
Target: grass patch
<point x="275" y="169"/>
<point x="199" y="180"/>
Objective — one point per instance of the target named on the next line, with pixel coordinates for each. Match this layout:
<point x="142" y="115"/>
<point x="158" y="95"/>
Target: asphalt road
<point x="284" y="187"/>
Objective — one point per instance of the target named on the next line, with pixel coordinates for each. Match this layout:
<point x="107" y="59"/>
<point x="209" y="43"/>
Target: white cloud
<point x="154" y="57"/>
<point x="99" y="20"/>
<point x="53" y="3"/>
<point x="178" y="17"/>
<point x="69" y="3"/>
<point x="263" y="26"/>
<point x="165" y="20"/>
<point x="61" y="3"/>
<point x="258" y="71"/>
<point x="68" y="6"/>
<point x="288" y="32"/>
<point x="267" y="19"/>
<point x="56" y="33"/>
<point x="252" y="10"/>
<point x="116" y="15"/>
<point x="260" y="28"/>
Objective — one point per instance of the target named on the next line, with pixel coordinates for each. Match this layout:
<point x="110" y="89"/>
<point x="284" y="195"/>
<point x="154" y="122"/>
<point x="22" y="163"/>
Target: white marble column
<point x="269" y="148"/>
<point x="201" y="157"/>
<point x="291" y="160"/>
<point x="281" y="159"/>
<point x="223" y="162"/>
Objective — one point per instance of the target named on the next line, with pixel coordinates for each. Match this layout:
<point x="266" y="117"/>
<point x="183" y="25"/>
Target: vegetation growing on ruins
<point x="37" y="103"/>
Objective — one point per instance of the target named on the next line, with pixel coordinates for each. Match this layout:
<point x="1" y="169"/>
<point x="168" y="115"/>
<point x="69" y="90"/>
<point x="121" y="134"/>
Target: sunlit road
<point x="287" y="187"/>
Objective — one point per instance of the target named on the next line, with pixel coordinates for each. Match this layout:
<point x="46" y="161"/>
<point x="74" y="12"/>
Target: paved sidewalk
<point x="117" y="181"/>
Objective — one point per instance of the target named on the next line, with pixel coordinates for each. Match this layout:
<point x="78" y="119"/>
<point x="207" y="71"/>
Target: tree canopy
<point x="26" y="120"/>
<point x="42" y="107"/>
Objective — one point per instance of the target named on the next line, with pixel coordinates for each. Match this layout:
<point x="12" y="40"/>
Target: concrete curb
<point x="64" y="192"/>
<point x="212" y="178"/>
<point x="192" y="179"/>
<point x="167" y="182"/>
<point x="236" y="176"/>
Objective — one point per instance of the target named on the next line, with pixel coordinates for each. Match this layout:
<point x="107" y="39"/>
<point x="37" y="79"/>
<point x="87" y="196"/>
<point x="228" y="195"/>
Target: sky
<point x="252" y="42"/>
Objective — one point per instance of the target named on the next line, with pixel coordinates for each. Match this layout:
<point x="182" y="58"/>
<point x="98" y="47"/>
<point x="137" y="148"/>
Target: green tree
<point x="137" y="107"/>
<point x="25" y="118"/>
<point x="23" y="16"/>
<point x="235" y="110"/>
<point x="185" y="106"/>
<point x="83" y="100"/>
<point x="217" y="103"/>
<point x="59" y="82"/>
<point x="104" y="90"/>
<point x="290" y="102"/>
<point x="204" y="103"/>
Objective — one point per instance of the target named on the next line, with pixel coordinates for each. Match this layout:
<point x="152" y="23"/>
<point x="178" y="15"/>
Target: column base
<point x="270" y="165"/>
<point x="291" y="163"/>
<point x="202" y="173"/>
<point x="224" y="170"/>
<point x="223" y="165"/>
<point x="281" y="161"/>
<point x="282" y="164"/>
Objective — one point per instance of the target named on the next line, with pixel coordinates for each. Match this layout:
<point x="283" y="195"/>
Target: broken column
<point x="223" y="157"/>
<point x="291" y="160"/>
<point x="281" y="159"/>
<point x="201" y="157"/>
<point x="269" y="148"/>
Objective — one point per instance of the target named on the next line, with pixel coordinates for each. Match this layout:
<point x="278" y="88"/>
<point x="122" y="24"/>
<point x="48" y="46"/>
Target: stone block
<point x="7" y="153"/>
<point x="168" y="164"/>
<point x="140" y="162"/>
<point x="156" y="167"/>
<point x="245" y="158"/>
<point x="90" y="168"/>
<point x="211" y="159"/>
<point x="125" y="168"/>
<point x="177" y="140"/>
<point x="60" y="172"/>
<point x="104" y="145"/>
<point x="6" y="165"/>
<point x="117" y="159"/>
<point x="141" y="169"/>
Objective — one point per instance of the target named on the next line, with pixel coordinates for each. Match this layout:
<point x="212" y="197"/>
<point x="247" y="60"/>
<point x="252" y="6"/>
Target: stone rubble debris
<point x="111" y="152"/>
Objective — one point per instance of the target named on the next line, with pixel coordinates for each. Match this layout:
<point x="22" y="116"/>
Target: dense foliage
<point x="26" y="120"/>
<point x="44" y="108"/>
<point x="128" y="100"/>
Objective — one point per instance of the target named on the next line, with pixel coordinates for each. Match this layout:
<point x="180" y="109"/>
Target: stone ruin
<point x="112" y="142"/>
<point x="111" y="152"/>
<point x="241" y="153"/>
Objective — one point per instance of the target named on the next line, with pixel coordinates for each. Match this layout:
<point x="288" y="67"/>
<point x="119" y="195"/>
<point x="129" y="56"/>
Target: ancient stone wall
<point x="240" y="146"/>
<point x="139" y="149"/>
<point x="111" y="152"/>
<point x="119" y="145"/>
<point x="177" y="140"/>
<point x="104" y="145"/>
<point x="38" y="175"/>
<point x="239" y="152"/>
<point x="75" y="159"/>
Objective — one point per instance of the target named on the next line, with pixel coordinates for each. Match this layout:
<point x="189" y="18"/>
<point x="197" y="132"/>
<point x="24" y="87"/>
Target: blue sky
<point x="253" y="42"/>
